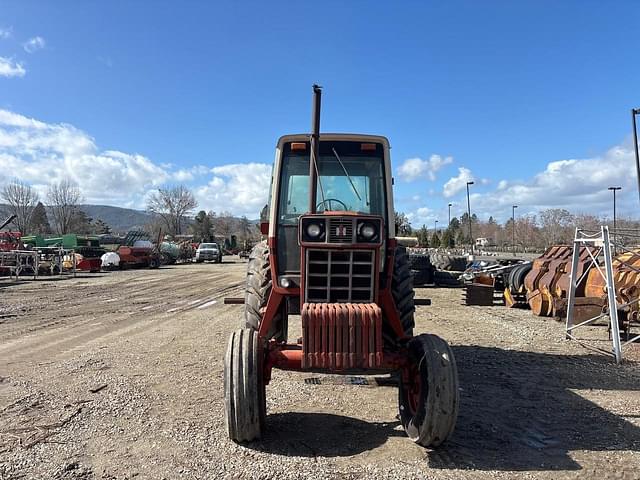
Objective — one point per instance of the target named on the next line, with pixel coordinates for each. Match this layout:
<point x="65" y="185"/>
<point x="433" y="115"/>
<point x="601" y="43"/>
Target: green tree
<point x="80" y="223"/>
<point x="101" y="227"/>
<point x="448" y="239"/>
<point x="403" y="227"/>
<point x="423" y="236"/>
<point x="202" y="227"/>
<point x="245" y="228"/>
<point x="435" y="240"/>
<point x="39" y="221"/>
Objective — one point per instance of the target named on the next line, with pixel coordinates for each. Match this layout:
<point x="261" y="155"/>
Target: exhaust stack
<point x="315" y="147"/>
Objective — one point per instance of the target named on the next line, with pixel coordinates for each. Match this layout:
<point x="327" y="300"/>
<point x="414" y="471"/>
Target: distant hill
<point x="119" y="219"/>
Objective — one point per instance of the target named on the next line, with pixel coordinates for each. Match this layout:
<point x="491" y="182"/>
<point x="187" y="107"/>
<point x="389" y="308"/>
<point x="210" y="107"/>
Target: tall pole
<point x="469" y="214"/>
<point x="449" y="224"/>
<point x="435" y="227"/>
<point x="513" y="228"/>
<point x="634" y="112"/>
<point x="615" y="233"/>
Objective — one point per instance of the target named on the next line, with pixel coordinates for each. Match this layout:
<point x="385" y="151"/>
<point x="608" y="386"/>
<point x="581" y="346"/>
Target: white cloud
<point x="578" y="185"/>
<point x="10" y="68"/>
<point x="242" y="189"/>
<point x="458" y="183"/>
<point x="414" y="168"/>
<point x="420" y="216"/>
<point x="34" y="44"/>
<point x="5" y="33"/>
<point x="190" y="174"/>
<point x="43" y="153"/>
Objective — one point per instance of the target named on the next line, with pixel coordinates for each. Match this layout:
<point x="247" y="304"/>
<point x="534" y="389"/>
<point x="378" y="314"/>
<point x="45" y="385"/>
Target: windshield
<point x="209" y="245"/>
<point x="349" y="179"/>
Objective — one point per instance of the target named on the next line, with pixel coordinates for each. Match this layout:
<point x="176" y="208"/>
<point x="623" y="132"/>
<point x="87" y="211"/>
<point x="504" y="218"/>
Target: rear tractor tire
<point x="428" y="394"/>
<point x="244" y="389"/>
<point x="259" y="284"/>
<point x="402" y="292"/>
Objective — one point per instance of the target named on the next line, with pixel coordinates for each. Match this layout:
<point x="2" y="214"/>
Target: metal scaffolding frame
<point x="600" y="257"/>
<point x="17" y="261"/>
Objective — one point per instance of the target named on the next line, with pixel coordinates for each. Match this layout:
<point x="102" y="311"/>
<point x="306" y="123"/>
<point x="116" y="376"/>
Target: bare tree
<point x="172" y="205"/>
<point x="21" y="199"/>
<point x="556" y="226"/>
<point x="223" y="224"/>
<point x="63" y="198"/>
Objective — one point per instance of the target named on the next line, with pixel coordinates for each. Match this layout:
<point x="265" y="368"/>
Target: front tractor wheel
<point x="244" y="389"/>
<point x="428" y="393"/>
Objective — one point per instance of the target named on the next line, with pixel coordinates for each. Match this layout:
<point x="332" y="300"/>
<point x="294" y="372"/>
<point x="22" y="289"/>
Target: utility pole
<point x="449" y="224"/>
<point x="469" y="214"/>
<point x="615" y="233"/>
<point x="513" y="229"/>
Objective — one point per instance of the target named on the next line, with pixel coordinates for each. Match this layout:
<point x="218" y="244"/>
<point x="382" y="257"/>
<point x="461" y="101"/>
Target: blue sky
<point x="529" y="99"/>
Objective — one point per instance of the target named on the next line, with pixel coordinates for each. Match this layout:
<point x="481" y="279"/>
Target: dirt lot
<point x="119" y="375"/>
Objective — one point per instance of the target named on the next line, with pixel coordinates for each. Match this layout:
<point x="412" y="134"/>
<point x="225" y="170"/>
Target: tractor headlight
<point x="313" y="230"/>
<point x="368" y="231"/>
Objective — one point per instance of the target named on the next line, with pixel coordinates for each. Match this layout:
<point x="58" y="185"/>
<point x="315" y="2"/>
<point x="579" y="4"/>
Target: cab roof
<point x="356" y="137"/>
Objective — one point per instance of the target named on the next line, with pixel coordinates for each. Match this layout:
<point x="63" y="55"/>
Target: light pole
<point x="634" y="112"/>
<point x="435" y="227"/>
<point x="469" y="214"/>
<point x="449" y="224"/>
<point x="513" y="228"/>
<point x="614" y="189"/>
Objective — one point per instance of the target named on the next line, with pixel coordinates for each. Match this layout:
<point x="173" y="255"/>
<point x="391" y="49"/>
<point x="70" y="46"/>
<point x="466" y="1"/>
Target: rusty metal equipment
<point x="331" y="256"/>
<point x="547" y="283"/>
<point x="482" y="294"/>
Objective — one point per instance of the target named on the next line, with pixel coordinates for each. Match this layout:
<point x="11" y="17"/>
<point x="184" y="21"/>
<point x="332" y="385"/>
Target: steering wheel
<point x="328" y="201"/>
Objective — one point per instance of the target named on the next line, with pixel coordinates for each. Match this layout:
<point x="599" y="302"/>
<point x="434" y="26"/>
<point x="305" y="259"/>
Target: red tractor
<point x="331" y="257"/>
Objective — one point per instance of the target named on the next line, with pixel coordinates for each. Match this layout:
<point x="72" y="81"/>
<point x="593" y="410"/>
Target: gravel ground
<point x="119" y="375"/>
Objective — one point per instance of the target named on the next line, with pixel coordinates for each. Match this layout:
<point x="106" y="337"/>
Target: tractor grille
<point x="340" y="276"/>
<point x="340" y="230"/>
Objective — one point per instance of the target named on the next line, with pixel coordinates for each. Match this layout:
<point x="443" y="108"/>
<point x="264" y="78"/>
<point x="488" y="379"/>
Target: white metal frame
<point x="603" y="254"/>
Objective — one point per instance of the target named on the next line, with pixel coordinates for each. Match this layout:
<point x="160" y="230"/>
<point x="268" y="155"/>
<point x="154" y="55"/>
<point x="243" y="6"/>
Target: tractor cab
<point x="352" y="207"/>
<point x="331" y="257"/>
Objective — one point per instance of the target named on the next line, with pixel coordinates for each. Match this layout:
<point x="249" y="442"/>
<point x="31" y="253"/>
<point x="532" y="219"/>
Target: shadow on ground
<point x="322" y="434"/>
<point x="517" y="412"/>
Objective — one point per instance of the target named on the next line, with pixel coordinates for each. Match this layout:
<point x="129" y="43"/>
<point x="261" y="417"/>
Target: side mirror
<point x="264" y="228"/>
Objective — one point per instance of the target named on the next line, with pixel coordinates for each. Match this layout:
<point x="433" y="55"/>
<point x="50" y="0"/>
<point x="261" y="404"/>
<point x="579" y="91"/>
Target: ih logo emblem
<point x="341" y="231"/>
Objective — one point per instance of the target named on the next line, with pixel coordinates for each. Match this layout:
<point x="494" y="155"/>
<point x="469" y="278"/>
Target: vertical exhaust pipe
<point x="315" y="147"/>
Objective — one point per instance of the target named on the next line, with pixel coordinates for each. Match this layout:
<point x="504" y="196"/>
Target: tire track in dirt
<point x="78" y="323"/>
<point x="72" y="308"/>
